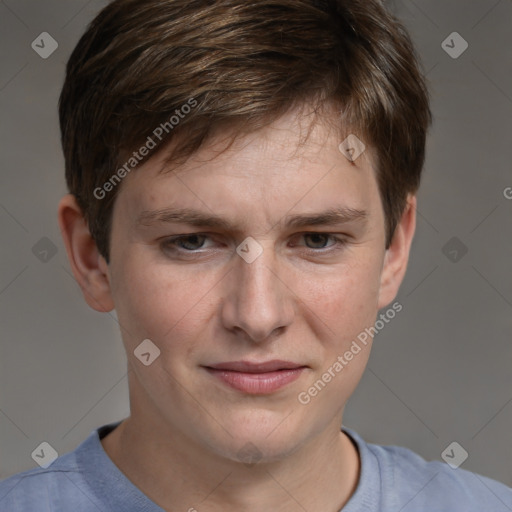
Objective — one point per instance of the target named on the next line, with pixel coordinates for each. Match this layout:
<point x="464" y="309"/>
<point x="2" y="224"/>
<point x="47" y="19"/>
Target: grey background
<point x="440" y="371"/>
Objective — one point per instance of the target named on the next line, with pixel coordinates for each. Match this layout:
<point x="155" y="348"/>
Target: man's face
<point x="304" y="299"/>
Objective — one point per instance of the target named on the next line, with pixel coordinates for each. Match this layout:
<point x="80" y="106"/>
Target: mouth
<point x="256" y="378"/>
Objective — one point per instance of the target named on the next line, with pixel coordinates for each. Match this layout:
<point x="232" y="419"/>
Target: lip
<point x="255" y="367"/>
<point x="256" y="378"/>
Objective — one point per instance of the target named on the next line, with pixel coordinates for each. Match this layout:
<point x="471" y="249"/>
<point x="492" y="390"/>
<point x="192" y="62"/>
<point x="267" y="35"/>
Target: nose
<point x="258" y="301"/>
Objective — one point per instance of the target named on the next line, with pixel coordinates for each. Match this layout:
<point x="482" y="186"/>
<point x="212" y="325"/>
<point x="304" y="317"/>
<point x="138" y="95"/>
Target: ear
<point x="88" y="266"/>
<point x="397" y="255"/>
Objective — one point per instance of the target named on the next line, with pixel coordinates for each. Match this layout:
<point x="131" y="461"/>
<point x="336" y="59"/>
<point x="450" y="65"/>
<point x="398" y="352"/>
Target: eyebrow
<point x="331" y="216"/>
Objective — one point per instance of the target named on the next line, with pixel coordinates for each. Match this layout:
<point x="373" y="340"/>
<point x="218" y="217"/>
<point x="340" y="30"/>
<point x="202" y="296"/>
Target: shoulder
<point x="62" y="483"/>
<point x="427" y="485"/>
<point x="30" y="489"/>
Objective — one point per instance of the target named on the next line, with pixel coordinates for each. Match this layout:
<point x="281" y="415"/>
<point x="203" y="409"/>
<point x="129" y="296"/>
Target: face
<point x="275" y="278"/>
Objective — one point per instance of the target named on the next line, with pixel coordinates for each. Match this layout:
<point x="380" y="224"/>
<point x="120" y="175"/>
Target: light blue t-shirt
<point x="392" y="479"/>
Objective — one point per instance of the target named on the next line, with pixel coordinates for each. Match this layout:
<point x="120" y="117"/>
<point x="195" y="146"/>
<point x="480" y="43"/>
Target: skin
<point x="304" y="299"/>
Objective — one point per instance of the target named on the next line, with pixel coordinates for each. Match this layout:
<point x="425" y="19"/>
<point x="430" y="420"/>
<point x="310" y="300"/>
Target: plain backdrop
<point x="439" y="372"/>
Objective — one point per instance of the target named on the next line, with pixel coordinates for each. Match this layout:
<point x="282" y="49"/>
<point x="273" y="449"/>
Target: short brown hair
<point x="238" y="62"/>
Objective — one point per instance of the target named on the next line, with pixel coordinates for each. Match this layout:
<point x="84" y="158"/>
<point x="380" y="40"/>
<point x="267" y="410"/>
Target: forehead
<point x="288" y="166"/>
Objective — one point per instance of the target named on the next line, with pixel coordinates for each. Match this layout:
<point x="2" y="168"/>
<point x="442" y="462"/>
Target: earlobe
<point x="87" y="264"/>
<point x="397" y="255"/>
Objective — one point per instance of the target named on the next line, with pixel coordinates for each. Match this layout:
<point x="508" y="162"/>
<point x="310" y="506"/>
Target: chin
<point x="258" y="441"/>
<point x="251" y="451"/>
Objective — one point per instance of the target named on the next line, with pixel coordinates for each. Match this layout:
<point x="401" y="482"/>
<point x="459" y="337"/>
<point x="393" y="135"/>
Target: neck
<point x="177" y="475"/>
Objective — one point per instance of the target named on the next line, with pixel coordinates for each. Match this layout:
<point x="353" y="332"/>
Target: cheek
<point x="161" y="304"/>
<point x="346" y="299"/>
<point x="342" y="307"/>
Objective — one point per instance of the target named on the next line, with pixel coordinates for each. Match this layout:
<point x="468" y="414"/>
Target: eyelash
<point x="172" y="243"/>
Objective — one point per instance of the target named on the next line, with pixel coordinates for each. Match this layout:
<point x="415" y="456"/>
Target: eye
<point x="319" y="240"/>
<point x="195" y="243"/>
<point x="188" y="243"/>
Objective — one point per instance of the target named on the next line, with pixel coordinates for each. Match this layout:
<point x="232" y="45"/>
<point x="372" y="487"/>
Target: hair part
<point x="244" y="64"/>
